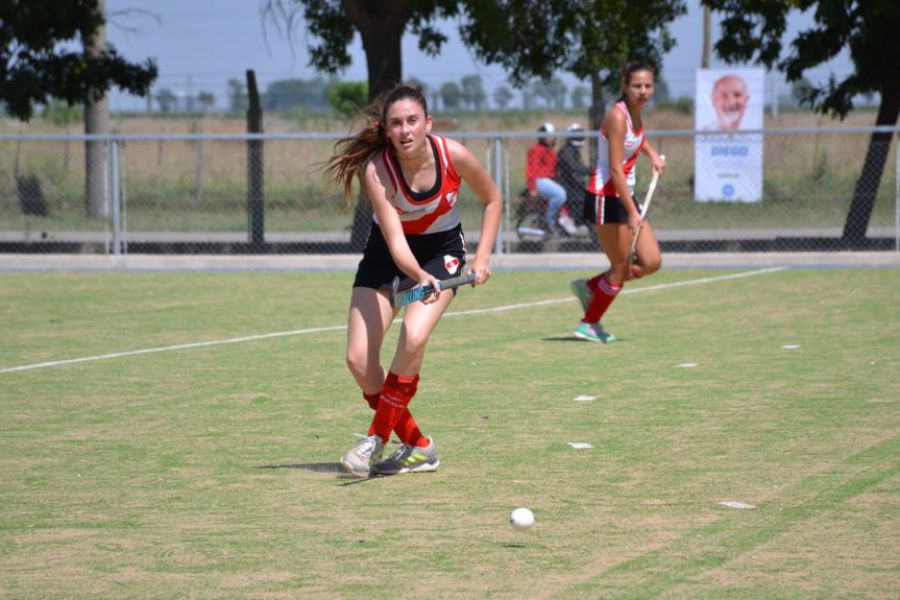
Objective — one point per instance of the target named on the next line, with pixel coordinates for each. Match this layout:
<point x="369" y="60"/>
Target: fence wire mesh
<point x="267" y="194"/>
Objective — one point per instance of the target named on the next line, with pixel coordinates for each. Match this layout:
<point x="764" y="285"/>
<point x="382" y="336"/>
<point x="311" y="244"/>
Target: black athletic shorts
<point x="604" y="209"/>
<point x="441" y="254"/>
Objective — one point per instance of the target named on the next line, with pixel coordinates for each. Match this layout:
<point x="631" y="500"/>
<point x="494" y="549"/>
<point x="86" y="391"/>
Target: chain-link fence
<point x="818" y="189"/>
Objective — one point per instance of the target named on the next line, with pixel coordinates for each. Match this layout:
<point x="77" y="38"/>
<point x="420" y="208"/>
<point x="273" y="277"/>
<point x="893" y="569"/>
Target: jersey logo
<point x="451" y="263"/>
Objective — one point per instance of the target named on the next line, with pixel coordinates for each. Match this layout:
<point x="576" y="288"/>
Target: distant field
<point x="185" y="470"/>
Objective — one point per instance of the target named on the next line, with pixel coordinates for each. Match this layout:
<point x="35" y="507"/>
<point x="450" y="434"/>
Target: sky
<point x="200" y="44"/>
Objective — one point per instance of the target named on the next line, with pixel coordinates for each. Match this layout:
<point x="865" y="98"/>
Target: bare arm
<point x="659" y="165"/>
<point x="481" y="183"/>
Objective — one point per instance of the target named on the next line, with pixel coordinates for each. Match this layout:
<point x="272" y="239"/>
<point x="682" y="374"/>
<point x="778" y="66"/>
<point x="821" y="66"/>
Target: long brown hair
<point x="352" y="153"/>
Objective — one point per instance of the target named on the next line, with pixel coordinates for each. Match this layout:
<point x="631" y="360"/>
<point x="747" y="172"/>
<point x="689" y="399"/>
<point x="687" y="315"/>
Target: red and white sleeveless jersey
<point x="430" y="211"/>
<point x="601" y="178"/>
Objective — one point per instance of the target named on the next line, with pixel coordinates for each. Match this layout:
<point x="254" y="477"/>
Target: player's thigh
<point x="648" y="246"/>
<point x="421" y="319"/>
<point x="370" y="317"/>
<point x="615" y="238"/>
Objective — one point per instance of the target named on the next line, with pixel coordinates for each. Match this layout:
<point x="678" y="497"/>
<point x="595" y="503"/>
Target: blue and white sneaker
<point x="593" y="332"/>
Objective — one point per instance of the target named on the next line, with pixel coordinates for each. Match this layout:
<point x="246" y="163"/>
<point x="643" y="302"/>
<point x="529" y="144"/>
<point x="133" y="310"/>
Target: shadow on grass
<point x="334" y="468"/>
<point x="572" y="338"/>
<point x="314" y="467"/>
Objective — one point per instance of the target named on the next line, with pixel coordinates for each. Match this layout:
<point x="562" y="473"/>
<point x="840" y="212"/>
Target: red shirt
<point x="540" y="162"/>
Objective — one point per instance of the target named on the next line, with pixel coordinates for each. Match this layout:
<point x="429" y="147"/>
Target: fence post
<point x="255" y="203"/>
<point x="498" y="171"/>
<point x="114" y="196"/>
<point x="507" y="200"/>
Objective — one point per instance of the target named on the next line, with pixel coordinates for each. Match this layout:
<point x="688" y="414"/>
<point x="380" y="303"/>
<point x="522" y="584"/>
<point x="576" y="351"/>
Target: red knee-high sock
<point x="604" y="294"/>
<point x="406" y="428"/>
<point x="372" y="400"/>
<point x="395" y="397"/>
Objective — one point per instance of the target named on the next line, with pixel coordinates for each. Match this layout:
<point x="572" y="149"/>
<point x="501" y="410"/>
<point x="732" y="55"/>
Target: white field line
<point x="278" y="334"/>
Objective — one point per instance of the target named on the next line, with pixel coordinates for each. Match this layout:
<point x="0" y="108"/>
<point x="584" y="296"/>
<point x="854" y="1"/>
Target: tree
<point x="868" y="30"/>
<point x="590" y="38"/>
<point x="451" y="96"/>
<point x="207" y="100"/>
<point x="166" y="99"/>
<point x="332" y="24"/>
<point x="237" y="96"/>
<point x="473" y="92"/>
<point x="39" y="64"/>
<point x="347" y="98"/>
<point x="579" y="97"/>
<point x="416" y="82"/>
<point x="288" y="93"/>
<point x="502" y="97"/>
<point x="556" y="91"/>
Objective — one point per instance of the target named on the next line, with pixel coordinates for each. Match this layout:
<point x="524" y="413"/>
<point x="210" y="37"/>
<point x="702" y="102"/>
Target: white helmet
<point x="576" y="140"/>
<point x="548" y="130"/>
<point x="547" y="127"/>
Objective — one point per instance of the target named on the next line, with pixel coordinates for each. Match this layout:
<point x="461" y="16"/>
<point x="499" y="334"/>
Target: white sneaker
<point x="568" y="225"/>
<point x="359" y="459"/>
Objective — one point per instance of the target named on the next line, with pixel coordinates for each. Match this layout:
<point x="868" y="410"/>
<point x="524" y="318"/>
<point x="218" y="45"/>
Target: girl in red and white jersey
<point x="412" y="179"/>
<point x="611" y="206"/>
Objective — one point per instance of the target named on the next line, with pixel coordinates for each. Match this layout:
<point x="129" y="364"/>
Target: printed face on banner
<point x="729" y="100"/>
<point x="728" y="165"/>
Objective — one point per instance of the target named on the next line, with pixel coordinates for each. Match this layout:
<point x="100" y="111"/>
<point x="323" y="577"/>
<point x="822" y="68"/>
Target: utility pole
<point x="707" y="38"/>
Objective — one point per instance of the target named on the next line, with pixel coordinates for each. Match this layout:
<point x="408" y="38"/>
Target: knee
<point x="652" y="266"/>
<point x="358" y="363"/>
<point x="414" y="342"/>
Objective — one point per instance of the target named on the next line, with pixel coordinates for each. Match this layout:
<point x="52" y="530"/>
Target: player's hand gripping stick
<point x="419" y="292"/>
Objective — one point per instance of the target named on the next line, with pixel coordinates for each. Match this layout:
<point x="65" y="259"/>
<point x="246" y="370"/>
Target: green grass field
<point x="211" y="471"/>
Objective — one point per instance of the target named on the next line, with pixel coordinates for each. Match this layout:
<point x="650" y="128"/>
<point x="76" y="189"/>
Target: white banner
<point x="728" y="168"/>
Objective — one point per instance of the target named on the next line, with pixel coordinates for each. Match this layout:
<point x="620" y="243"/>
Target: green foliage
<point x="536" y="38"/>
<point x="38" y="64"/>
<point x="502" y="97"/>
<point x="473" y="92"/>
<point x="62" y="113"/>
<point x="237" y="96"/>
<point x="166" y="100"/>
<point x="287" y="93"/>
<point x="347" y="98"/>
<point x="451" y="96"/>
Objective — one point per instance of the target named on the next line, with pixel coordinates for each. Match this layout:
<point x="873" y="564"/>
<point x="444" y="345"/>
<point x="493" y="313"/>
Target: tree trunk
<point x="597" y="111"/>
<point x="381" y="25"/>
<point x="866" y="189"/>
<point x="96" y="121"/>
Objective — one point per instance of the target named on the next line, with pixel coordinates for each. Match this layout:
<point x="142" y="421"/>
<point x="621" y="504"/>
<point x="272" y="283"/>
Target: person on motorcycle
<point x="572" y="173"/>
<point x="540" y="170"/>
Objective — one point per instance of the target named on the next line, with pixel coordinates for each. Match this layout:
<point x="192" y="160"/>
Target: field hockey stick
<point x="653" y="181"/>
<point x="414" y="294"/>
